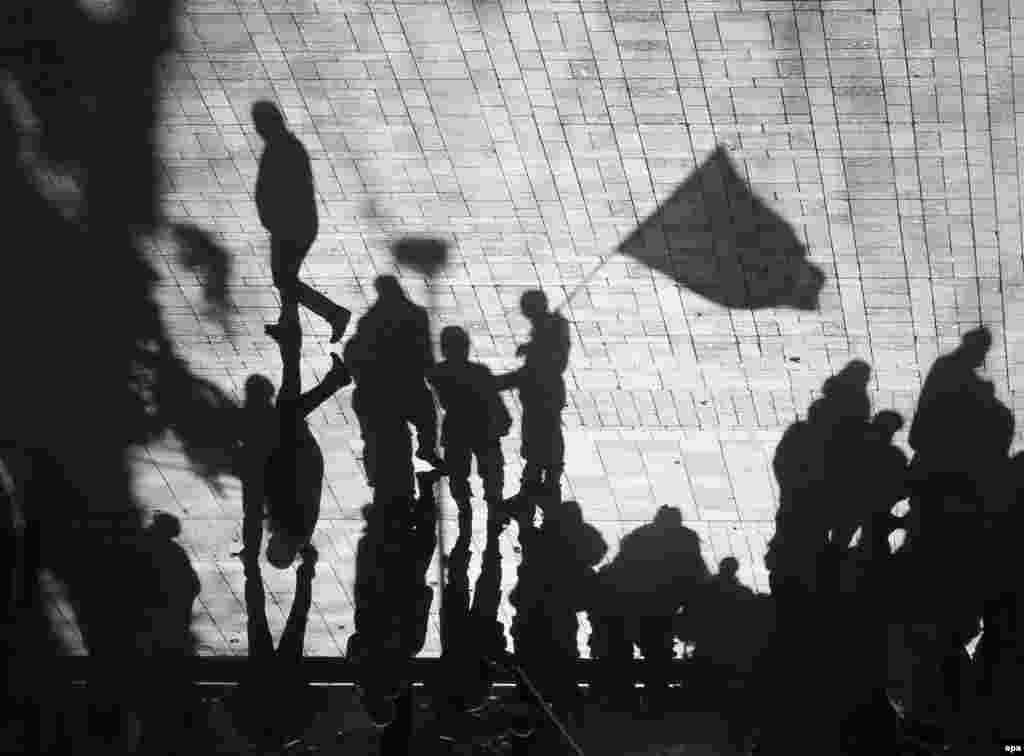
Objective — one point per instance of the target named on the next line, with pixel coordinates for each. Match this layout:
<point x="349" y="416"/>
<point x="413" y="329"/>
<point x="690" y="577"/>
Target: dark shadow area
<point x="390" y="355"/>
<point x="274" y="704"/>
<point x="200" y="253"/>
<point x="556" y="580"/>
<point x="812" y="669"/>
<point x="475" y="421"/>
<point x="425" y="255"/>
<point x="541" y="388"/>
<point x="80" y="99"/>
<point x="291" y="474"/>
<point x="879" y="629"/>
<point x="286" y="202"/>
<point x="472" y="644"/>
<point x="658" y="571"/>
<point x="717" y="238"/>
<point x="393" y="601"/>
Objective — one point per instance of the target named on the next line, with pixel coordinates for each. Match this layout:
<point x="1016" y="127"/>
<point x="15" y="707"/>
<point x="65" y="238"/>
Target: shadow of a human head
<point x="268" y="120"/>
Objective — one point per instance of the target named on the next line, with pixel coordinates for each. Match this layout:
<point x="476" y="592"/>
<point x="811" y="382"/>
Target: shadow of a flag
<point x="717" y="238"/>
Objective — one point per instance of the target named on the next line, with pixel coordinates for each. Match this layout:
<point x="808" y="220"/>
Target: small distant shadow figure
<point x="556" y="581"/>
<point x="542" y="394"/>
<point x="176" y="581"/>
<point x="475" y="420"/>
<point x="282" y="466"/>
<point x="658" y="570"/>
<point x="390" y="356"/>
<point x="274" y="703"/>
<point x="286" y="201"/>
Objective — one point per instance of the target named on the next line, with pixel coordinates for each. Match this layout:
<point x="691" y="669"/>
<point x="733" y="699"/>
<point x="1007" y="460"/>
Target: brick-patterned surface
<point x="536" y="136"/>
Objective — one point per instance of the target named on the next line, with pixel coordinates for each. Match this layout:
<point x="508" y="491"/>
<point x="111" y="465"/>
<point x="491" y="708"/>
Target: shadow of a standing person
<point x="286" y="201"/>
<point x="392" y="606"/>
<point x="541" y="387"/>
<point x="957" y="488"/>
<point x="390" y="355"/>
<point x="659" y="568"/>
<point x="731" y="629"/>
<point x="475" y="420"/>
<point x="818" y="470"/>
<point x="556" y="581"/>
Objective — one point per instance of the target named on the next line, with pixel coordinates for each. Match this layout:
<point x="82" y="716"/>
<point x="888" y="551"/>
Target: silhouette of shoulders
<point x="548" y="350"/>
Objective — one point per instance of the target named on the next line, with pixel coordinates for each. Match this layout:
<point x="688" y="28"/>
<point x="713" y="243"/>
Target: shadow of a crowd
<point x="892" y="622"/>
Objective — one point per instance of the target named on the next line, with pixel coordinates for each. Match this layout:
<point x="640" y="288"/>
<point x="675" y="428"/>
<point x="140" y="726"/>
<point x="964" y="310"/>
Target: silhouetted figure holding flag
<point x="280" y="440"/>
<point x="542" y="393"/>
<point x="475" y="419"/>
<point x="390" y="355"/>
<point x="286" y="201"/>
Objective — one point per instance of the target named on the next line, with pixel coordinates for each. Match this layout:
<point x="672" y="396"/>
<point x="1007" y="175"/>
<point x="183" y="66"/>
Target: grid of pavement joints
<point x="535" y="137"/>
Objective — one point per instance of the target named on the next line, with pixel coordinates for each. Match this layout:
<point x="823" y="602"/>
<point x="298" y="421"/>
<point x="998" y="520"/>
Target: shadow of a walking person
<point x="286" y="202"/>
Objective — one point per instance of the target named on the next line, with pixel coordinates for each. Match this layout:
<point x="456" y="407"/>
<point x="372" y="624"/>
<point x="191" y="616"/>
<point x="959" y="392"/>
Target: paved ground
<point x="876" y="139"/>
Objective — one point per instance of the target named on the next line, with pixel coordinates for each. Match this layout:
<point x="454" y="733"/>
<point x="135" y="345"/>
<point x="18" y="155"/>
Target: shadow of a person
<point x="659" y="568"/>
<point x="998" y="655"/>
<point x="730" y="627"/>
<point x="475" y="420"/>
<point x="274" y="703"/>
<point x="556" y="580"/>
<point x="392" y="605"/>
<point x="542" y="395"/>
<point x="456" y="634"/>
<point x="286" y="202"/>
<point x="390" y="355"/>
<point x="33" y="709"/>
<point x="293" y="469"/>
<point x="818" y="470"/>
<point x="957" y="488"/>
<point x="869" y="603"/>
